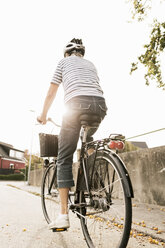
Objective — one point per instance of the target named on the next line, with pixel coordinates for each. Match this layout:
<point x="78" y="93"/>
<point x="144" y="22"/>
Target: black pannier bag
<point x="48" y="145"/>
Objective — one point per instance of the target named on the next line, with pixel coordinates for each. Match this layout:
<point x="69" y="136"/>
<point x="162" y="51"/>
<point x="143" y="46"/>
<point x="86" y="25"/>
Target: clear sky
<point x="33" y="34"/>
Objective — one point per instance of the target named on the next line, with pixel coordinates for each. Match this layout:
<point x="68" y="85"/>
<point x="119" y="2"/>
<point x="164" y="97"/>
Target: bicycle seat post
<point x="85" y="129"/>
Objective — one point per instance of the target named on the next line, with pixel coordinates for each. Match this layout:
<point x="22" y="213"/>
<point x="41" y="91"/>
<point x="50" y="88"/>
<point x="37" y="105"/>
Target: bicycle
<point x="103" y="191"/>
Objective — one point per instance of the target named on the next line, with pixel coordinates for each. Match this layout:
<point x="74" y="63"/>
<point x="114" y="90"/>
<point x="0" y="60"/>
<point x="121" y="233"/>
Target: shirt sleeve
<point x="57" y="76"/>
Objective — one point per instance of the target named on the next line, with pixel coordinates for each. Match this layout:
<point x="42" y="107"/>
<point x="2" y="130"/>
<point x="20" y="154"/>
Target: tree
<point x="36" y="161"/>
<point x="151" y="57"/>
<point x="129" y="147"/>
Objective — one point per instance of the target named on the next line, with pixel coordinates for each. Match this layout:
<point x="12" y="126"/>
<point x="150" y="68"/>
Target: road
<point x="22" y="224"/>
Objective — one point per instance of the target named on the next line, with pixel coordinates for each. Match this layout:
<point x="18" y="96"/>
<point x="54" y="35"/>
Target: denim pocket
<point x="80" y="106"/>
<point x="103" y="107"/>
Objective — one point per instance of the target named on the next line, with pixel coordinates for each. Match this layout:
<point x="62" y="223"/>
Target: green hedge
<point x="12" y="177"/>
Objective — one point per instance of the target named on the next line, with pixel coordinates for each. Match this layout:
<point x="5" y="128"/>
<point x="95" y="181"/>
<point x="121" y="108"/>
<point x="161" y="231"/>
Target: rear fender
<point x="122" y="169"/>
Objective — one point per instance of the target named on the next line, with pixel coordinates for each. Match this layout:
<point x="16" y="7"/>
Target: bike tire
<point x="108" y="212"/>
<point x="50" y="199"/>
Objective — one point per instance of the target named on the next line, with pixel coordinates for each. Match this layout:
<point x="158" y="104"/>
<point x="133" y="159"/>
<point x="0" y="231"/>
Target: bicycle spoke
<point x="110" y="185"/>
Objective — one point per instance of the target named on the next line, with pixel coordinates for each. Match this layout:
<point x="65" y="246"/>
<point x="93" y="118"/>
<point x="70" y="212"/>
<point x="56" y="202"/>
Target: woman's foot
<point x="62" y="221"/>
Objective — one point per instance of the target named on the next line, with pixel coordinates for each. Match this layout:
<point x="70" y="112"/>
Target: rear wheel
<point x="50" y="198"/>
<point x="108" y="216"/>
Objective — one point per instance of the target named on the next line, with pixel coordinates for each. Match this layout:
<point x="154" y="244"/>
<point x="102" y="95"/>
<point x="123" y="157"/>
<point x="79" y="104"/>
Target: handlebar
<point x="50" y="119"/>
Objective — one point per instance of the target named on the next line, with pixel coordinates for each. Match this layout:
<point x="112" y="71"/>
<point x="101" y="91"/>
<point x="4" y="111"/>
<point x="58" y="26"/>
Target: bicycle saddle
<point x="90" y="120"/>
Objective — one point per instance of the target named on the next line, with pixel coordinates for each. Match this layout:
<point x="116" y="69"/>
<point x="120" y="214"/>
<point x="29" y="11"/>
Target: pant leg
<point x="68" y="140"/>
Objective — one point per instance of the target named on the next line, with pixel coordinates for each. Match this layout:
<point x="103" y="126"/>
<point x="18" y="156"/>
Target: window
<point x="16" y="154"/>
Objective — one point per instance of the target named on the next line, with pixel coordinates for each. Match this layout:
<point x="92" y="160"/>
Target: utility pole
<point x="30" y="158"/>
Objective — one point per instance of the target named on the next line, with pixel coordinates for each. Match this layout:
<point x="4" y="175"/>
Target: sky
<point x="33" y="35"/>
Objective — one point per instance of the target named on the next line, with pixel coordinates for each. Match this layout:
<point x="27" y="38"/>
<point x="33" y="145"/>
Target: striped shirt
<point x="78" y="76"/>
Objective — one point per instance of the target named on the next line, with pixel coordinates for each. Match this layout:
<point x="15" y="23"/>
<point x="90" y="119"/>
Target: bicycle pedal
<point x="59" y="229"/>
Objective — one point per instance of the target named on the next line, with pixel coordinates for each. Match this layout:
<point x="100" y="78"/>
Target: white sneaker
<point x="62" y="221"/>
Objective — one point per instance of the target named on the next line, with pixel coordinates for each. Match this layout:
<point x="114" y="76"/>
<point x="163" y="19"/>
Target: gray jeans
<point x="70" y="131"/>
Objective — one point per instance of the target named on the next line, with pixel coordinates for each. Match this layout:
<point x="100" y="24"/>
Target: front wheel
<point x="50" y="198"/>
<point x="108" y="216"/>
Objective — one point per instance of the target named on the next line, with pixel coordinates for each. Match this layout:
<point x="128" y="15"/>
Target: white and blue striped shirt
<point x="78" y="76"/>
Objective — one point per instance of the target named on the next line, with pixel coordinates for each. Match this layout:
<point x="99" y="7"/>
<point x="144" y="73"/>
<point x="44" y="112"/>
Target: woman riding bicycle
<point x="82" y="95"/>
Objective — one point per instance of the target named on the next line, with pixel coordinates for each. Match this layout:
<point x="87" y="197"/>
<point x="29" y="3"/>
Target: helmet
<point x="74" y="45"/>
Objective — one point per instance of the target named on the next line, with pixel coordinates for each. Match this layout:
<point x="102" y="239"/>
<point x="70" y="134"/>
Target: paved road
<point x="22" y="224"/>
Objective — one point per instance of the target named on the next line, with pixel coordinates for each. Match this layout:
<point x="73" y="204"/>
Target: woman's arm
<point x="48" y="102"/>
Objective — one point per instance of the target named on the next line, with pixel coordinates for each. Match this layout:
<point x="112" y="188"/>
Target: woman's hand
<point x="42" y="119"/>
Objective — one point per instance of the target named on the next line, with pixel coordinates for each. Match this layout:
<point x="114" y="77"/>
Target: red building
<point x="11" y="159"/>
